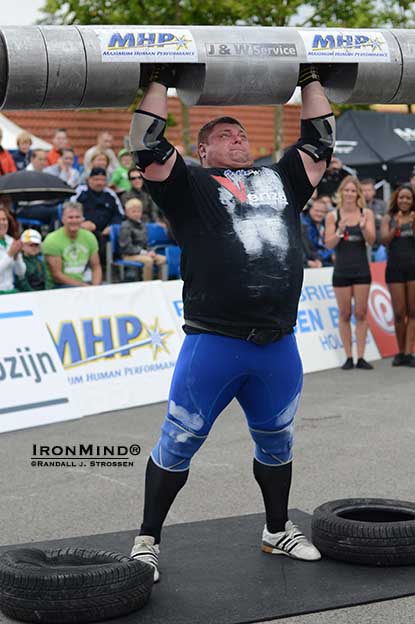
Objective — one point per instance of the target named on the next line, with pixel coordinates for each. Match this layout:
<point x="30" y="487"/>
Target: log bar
<point x="59" y="67"/>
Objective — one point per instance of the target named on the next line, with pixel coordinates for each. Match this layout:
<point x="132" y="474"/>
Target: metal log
<point x="46" y="67"/>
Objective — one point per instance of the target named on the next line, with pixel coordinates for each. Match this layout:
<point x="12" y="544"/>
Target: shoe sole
<point x="156" y="571"/>
<point x="266" y="548"/>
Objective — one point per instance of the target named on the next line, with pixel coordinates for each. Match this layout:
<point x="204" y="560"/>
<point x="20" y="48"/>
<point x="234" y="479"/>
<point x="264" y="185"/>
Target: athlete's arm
<point x="317" y="139"/>
<point x="152" y="153"/>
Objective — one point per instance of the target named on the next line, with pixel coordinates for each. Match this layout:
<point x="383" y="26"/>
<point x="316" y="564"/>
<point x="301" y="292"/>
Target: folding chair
<point x="113" y="255"/>
<point x="158" y="239"/>
<point x="173" y="254"/>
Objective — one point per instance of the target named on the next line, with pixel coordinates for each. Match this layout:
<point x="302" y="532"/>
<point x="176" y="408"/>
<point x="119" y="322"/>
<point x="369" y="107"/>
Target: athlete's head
<point x="223" y="142"/>
<point x="402" y="200"/>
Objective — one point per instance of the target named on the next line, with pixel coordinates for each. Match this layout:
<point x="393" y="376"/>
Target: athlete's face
<point x="404" y="200"/>
<point x="227" y="146"/>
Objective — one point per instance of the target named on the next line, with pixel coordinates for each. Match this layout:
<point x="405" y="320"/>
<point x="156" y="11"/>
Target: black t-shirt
<point x="240" y="235"/>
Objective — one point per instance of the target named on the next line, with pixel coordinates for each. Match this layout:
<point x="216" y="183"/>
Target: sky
<point x="20" y="13"/>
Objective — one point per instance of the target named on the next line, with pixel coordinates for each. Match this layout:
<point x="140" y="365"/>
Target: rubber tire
<point x="381" y="532"/>
<point x="71" y="585"/>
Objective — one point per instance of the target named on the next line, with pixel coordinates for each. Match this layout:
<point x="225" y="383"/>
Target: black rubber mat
<point x="214" y="572"/>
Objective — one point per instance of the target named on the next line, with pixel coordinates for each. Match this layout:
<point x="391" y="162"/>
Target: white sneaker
<point x="290" y="542"/>
<point x="147" y="551"/>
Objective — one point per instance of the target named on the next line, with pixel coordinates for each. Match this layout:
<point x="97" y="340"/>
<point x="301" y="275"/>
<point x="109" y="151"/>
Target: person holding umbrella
<point x="11" y="261"/>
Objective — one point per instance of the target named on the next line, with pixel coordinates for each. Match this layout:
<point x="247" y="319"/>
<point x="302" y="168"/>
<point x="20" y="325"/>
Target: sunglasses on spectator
<point x="135" y="178"/>
<point x="33" y="244"/>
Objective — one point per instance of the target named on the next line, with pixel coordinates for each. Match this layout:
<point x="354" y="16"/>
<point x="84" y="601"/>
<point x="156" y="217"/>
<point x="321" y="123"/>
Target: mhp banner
<point x="118" y="344"/>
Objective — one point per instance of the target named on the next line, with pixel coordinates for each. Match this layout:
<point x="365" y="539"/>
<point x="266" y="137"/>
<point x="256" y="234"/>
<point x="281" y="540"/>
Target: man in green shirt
<point x="70" y="249"/>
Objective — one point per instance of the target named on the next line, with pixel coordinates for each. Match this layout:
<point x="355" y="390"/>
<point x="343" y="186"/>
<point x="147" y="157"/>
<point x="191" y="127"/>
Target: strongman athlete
<point x="239" y="230"/>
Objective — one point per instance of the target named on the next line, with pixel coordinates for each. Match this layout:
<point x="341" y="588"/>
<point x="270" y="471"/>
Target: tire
<point x="71" y="585"/>
<point x="370" y="531"/>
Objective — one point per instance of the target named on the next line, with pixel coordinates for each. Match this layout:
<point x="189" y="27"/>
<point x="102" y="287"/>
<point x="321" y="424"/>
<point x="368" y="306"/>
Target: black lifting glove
<point x="162" y="73"/>
<point x="308" y="73"/>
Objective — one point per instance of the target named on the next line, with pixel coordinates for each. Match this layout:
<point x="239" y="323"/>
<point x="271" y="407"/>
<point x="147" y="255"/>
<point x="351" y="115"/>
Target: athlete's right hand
<point x="163" y="73"/>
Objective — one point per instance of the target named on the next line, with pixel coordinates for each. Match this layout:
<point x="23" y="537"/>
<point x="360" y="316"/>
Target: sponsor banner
<point x="33" y="386"/>
<point x="317" y="327"/>
<point x="172" y="292"/>
<point x="345" y="46"/>
<point x="380" y="312"/>
<point x="279" y="50"/>
<point x="118" y="343"/>
<point x="151" y="45"/>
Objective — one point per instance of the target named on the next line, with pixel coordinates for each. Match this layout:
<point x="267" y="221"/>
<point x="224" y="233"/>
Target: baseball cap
<point x="97" y="171"/>
<point x="123" y="152"/>
<point x="31" y="236"/>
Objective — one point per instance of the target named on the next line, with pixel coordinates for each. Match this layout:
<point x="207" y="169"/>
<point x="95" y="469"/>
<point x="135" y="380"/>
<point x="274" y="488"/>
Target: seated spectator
<point x="98" y="159"/>
<point x="6" y="159"/>
<point x="104" y="144"/>
<point x="332" y="177"/>
<point x="327" y="200"/>
<point x="38" y="160"/>
<point x="313" y="219"/>
<point x="133" y="242"/>
<point x="151" y="212"/>
<point x="310" y="257"/>
<point x="70" y="249"/>
<point x="40" y="210"/>
<point x="11" y="261"/>
<point x="119" y="179"/>
<point x="64" y="168"/>
<point x="59" y="141"/>
<point x="21" y="156"/>
<point x="101" y="207"/>
<point x="35" y="277"/>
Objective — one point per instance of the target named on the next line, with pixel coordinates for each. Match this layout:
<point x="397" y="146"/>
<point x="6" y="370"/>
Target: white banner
<point x="151" y="44"/>
<point x="117" y="346"/>
<point x="317" y="327"/>
<point x="345" y="46"/>
<point x="118" y="343"/>
<point x="33" y="386"/>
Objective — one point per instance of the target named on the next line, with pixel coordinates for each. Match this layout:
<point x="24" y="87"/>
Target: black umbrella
<point x="34" y="185"/>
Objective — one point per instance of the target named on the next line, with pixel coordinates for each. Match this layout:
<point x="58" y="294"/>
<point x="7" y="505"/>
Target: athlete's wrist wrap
<point x="147" y="143"/>
<point x="318" y="137"/>
<point x="308" y="73"/>
<point x="162" y="73"/>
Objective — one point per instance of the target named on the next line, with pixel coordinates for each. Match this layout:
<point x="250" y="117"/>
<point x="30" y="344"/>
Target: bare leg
<point x="410" y="309"/>
<point x="361" y="296"/>
<point x="344" y="302"/>
<point x="398" y="297"/>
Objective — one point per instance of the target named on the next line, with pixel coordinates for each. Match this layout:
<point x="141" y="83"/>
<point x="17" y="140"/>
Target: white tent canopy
<point x="10" y="132"/>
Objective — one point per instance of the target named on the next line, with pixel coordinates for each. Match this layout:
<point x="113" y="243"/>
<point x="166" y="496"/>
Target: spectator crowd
<point x="345" y="226"/>
<point x="44" y="244"/>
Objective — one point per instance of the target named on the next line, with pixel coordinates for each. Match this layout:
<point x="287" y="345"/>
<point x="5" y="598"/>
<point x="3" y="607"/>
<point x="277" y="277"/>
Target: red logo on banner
<point x="380" y="313"/>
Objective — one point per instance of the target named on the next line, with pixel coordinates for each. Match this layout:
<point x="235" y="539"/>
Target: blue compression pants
<point x="212" y="370"/>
